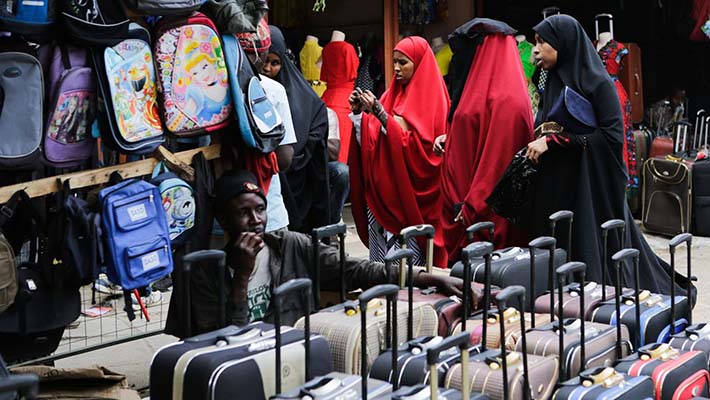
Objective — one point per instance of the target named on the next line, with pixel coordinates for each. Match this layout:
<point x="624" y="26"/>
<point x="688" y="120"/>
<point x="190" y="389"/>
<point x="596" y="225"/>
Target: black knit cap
<point x="234" y="183"/>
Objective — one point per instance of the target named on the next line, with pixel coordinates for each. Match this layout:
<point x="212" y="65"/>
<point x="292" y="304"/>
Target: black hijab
<point x="592" y="176"/>
<point x="464" y="42"/>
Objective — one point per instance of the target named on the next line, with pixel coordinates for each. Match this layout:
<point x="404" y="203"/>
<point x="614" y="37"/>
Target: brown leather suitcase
<point x="667" y="199"/>
<point x="631" y="76"/>
<point x="661" y="146"/>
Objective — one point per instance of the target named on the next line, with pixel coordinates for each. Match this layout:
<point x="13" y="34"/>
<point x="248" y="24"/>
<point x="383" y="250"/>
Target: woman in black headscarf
<point x="585" y="173"/>
<point x="305" y="185"/>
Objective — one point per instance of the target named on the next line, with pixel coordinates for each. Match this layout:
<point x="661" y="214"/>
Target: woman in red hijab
<point x="339" y="71"/>
<point x="394" y="173"/>
<point x="491" y="120"/>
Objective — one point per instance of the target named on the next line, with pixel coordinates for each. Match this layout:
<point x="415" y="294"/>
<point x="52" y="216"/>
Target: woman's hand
<point x="368" y="101"/>
<point x="536" y="148"/>
<point x="439" y="143"/>
<point x="354" y="99"/>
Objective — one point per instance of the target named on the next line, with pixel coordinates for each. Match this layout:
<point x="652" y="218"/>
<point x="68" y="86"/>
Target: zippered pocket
<point x="136" y="211"/>
<point x="144" y="258"/>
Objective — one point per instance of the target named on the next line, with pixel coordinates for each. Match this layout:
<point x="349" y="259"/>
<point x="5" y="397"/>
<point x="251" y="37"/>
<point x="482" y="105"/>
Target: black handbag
<point x="512" y="196"/>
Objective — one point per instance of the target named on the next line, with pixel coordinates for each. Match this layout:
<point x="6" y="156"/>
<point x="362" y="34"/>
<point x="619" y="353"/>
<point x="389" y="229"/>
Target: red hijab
<point x="493" y="121"/>
<point x="339" y="71"/>
<point x="397" y="174"/>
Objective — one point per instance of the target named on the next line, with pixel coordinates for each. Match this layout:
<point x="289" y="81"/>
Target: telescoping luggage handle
<point x="414" y="232"/>
<point x="611" y="225"/>
<point x="218" y="257"/>
<point x="26" y="384"/>
<point x="699" y="129"/>
<point x="316" y="235"/>
<point x="686" y="238"/>
<point x="549" y="243"/>
<point x="390" y="292"/>
<point x="562" y="272"/>
<point x="626" y="256"/>
<point x="404" y="256"/>
<point x="303" y="286"/>
<point x="472" y="230"/>
<point x="471" y="252"/>
<point x="563" y="215"/>
<point x="461" y="341"/>
<point x="503" y="298"/>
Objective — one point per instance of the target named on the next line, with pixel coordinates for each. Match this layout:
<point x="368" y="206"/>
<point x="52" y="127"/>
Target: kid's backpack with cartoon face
<point x="178" y="201"/>
<point x="193" y="82"/>
<point x="72" y="107"/>
<point x="129" y="93"/>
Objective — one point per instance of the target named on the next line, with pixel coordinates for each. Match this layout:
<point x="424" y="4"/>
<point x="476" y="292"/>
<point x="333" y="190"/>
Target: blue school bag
<point x="32" y="19"/>
<point x="136" y="234"/>
<point x="178" y="202"/>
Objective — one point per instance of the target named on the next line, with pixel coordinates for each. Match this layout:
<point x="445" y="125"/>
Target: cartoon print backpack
<point x="192" y="74"/>
<point x="31" y="19"/>
<point x="72" y="95"/>
<point x="129" y="92"/>
<point x="178" y="202"/>
<point x="258" y="120"/>
<point x="22" y="93"/>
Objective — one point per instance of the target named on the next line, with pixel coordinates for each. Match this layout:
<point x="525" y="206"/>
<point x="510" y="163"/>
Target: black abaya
<point x="588" y="175"/>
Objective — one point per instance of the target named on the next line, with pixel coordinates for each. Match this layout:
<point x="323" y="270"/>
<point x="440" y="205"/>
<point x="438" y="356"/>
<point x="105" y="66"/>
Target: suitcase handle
<point x="686" y="238"/>
<point x="405" y="256"/>
<point x="26" y="384"/>
<point x="391" y="292"/>
<point x="472" y="230"/>
<point x="549" y="243"/>
<point x="316" y="235"/>
<point x="624" y="257"/>
<point x="419" y="231"/>
<point x="461" y="341"/>
<point x="212" y="256"/>
<point x="562" y="273"/>
<point x="303" y="286"/>
<point x="505" y="295"/>
<point x="469" y="253"/>
<point x="562" y="216"/>
<point x="612" y="224"/>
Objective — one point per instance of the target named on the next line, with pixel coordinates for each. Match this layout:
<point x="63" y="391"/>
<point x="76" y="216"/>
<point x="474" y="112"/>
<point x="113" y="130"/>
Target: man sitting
<point x="258" y="262"/>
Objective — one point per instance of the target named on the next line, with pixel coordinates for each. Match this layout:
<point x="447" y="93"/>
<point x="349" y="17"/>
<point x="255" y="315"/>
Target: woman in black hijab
<point x="305" y="185"/>
<point x="585" y="173"/>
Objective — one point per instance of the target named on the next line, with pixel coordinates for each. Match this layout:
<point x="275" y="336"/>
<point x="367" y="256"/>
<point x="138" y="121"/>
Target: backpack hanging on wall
<point x="95" y="22"/>
<point x="72" y="108"/>
<point x="127" y="86"/>
<point x="193" y="83"/>
<point x="259" y="122"/>
<point x="178" y="201"/>
<point x="29" y="18"/>
<point x="21" y="108"/>
<point x="164" y="8"/>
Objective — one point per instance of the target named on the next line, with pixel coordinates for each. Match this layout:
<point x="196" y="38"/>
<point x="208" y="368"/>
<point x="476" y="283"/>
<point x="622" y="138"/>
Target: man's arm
<point x="284" y="155"/>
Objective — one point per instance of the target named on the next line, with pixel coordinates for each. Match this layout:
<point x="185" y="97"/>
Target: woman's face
<point x="272" y="65"/>
<point x="403" y="68"/>
<point x="545" y="55"/>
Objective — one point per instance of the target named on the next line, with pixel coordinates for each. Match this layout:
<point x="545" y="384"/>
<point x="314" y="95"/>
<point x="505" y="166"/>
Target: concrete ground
<point x="133" y="358"/>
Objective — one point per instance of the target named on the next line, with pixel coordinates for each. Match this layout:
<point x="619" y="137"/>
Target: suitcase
<point x="605" y="383"/>
<point x="661" y="146"/>
<point x="434" y="391"/>
<point x="701" y="197"/>
<point x="631" y="77"/>
<point x="336" y="385"/>
<point x="580" y="345"/>
<point x="667" y="196"/>
<point x="508" y="375"/>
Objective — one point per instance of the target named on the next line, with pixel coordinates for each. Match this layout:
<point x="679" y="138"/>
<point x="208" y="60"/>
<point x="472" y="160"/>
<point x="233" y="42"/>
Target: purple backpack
<point x="71" y="99"/>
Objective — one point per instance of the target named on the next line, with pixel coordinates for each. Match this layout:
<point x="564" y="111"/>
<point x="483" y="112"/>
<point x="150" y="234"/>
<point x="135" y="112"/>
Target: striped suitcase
<point x="605" y="383"/>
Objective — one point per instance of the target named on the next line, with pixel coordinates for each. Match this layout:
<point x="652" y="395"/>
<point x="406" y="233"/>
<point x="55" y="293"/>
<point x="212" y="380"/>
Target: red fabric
<point x="701" y="13"/>
<point x="263" y="166"/>
<point x="339" y="71"/>
<point x="493" y="121"/>
<point x="397" y="174"/>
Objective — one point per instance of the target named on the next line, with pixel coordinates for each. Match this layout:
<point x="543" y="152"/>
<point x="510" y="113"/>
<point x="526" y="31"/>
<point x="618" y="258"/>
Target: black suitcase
<point x="667" y="196"/>
<point x="701" y="197"/>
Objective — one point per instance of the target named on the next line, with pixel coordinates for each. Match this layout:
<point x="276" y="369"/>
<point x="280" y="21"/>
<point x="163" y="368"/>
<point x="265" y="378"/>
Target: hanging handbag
<point x="512" y="196"/>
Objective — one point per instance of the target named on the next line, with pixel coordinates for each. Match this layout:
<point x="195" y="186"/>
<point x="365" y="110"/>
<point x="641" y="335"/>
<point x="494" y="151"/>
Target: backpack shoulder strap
<point x="7" y="211"/>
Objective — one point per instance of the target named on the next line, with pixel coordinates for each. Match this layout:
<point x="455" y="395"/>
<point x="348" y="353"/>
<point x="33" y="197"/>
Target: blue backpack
<point x="29" y="18"/>
<point x="178" y="200"/>
<point x="259" y="122"/>
<point x="136" y="234"/>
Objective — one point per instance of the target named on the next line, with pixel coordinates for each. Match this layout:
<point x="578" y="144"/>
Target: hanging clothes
<point x="525" y="50"/>
<point x="310" y="57"/>
<point x="611" y="54"/>
<point x="443" y="59"/>
<point x="339" y="71"/>
<point x="586" y="173"/>
<point x="305" y="185"/>
<point x="492" y="122"/>
<point x="394" y="172"/>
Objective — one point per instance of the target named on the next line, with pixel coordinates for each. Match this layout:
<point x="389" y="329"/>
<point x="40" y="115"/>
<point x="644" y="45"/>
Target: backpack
<point x="29" y="18"/>
<point x="178" y="201"/>
<point x="129" y="109"/>
<point x="236" y="16"/>
<point x="8" y="266"/>
<point x="164" y="8"/>
<point x="259" y="122"/>
<point x="95" y="22"/>
<point x="193" y="80"/>
<point x="21" y="108"/>
<point x="72" y="108"/>
<point x="136" y="234"/>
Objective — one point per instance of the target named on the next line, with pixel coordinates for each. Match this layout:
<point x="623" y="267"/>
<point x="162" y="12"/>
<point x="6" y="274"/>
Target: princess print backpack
<point x="72" y="106"/>
<point x="193" y="82"/>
